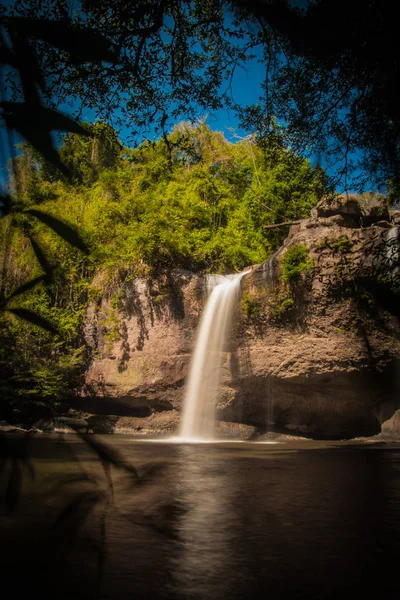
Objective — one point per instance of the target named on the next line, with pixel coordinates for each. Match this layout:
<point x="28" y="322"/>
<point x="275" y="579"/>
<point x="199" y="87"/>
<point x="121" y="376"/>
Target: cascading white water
<point x="198" y="416"/>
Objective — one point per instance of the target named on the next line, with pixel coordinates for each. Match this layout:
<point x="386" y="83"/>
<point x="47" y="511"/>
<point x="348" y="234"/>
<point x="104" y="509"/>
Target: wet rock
<point x="44" y="425"/>
<point x="101" y="423"/>
<point x="391" y="427"/>
<point x="165" y="424"/>
<point x="347" y="207"/>
<point x="76" y="424"/>
<point x="236" y="431"/>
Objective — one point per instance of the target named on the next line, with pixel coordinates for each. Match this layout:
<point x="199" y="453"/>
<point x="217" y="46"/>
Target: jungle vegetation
<point x="192" y="201"/>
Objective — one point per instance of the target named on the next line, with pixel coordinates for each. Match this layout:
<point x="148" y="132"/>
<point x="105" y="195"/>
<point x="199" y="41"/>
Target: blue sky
<point x="245" y="90"/>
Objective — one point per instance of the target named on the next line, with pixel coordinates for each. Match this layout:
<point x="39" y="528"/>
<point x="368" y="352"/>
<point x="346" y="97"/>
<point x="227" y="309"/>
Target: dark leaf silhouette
<point x="23" y="59"/>
<point x="13" y="490"/>
<point x="72" y="518"/>
<point x="107" y="472"/>
<point x="150" y="473"/>
<point x="69" y="480"/>
<point x="83" y="44"/>
<point x="34" y="122"/>
<point x="3" y="453"/>
<point x="102" y="550"/>
<point x="68" y="233"/>
<point x="80" y="506"/>
<point x="31" y="317"/>
<point x="20" y="116"/>
<point x="108" y="455"/>
<point x="29" y="468"/>
<point x="5" y="204"/>
<point x="40" y="139"/>
<point x="27" y="286"/>
<point x="44" y="263"/>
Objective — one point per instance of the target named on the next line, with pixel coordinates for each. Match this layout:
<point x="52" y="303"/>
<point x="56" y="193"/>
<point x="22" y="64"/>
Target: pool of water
<point x="134" y="519"/>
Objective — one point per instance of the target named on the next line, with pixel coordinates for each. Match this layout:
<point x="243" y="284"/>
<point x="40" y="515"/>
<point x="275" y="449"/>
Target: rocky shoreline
<point x="166" y="428"/>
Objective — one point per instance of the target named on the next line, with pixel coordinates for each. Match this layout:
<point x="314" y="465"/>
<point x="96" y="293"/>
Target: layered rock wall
<point x="317" y="355"/>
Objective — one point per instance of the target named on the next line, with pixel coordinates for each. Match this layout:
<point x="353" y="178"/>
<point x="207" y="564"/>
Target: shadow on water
<point x="308" y="520"/>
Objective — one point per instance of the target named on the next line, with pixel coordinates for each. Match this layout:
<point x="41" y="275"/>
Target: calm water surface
<point x="295" y="520"/>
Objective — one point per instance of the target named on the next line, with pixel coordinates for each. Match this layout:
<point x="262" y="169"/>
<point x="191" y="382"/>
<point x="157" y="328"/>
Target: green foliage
<point x="251" y="305"/>
<point x="88" y="157"/>
<point x="341" y="245"/>
<point x="194" y="201"/>
<point x="200" y="204"/>
<point x="296" y="263"/>
<point x="38" y="369"/>
<point x="281" y="305"/>
<point x="111" y="328"/>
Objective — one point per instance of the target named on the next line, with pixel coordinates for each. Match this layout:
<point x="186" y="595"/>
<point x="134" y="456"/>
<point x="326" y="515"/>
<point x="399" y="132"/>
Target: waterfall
<point x="199" y="404"/>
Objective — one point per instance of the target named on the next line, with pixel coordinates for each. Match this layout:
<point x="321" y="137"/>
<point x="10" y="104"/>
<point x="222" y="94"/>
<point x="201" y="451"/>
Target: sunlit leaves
<point x="202" y="206"/>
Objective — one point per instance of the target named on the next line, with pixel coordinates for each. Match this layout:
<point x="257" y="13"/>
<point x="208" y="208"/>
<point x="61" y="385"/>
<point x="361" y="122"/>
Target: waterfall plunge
<point x="198" y="416"/>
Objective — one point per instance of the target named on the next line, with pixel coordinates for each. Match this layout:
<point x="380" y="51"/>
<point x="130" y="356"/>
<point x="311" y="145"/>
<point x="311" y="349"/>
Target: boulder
<point x="347" y="206"/>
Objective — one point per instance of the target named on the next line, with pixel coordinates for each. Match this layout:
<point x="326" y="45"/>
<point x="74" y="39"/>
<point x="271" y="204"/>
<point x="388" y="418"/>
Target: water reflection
<point x="217" y="521"/>
<point x="309" y="525"/>
<point x="208" y="529"/>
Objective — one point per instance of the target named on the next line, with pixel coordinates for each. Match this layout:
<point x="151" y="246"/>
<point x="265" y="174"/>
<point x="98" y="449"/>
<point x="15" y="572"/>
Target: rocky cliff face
<point x="316" y="348"/>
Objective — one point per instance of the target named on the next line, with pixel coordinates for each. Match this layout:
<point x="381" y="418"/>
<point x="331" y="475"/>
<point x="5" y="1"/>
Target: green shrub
<point x="280" y="306"/>
<point x="251" y="306"/>
<point x="296" y="262"/>
<point x="341" y="245"/>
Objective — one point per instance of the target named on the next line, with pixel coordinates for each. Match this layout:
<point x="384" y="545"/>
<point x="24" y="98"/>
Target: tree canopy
<point x="331" y="68"/>
<point x="191" y="200"/>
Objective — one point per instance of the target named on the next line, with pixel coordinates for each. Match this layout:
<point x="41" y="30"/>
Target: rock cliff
<point x="316" y="348"/>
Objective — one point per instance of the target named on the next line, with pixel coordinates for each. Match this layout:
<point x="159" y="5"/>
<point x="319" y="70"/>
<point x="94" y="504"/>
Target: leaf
<point x="107" y="472"/>
<point x="3" y="454"/>
<point x="34" y="122"/>
<point x="150" y="473"/>
<point x="5" y="204"/>
<point x="44" y="263"/>
<point x="82" y="503"/>
<point x="26" y="286"/>
<point x="25" y="61"/>
<point x="13" y="490"/>
<point x="40" y="140"/>
<point x="108" y="455"/>
<point x="83" y="44"/>
<point x="101" y="551"/>
<point x="72" y="519"/>
<point x="20" y="114"/>
<point x="68" y="233"/>
<point x="68" y="481"/>
<point x="34" y="318"/>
